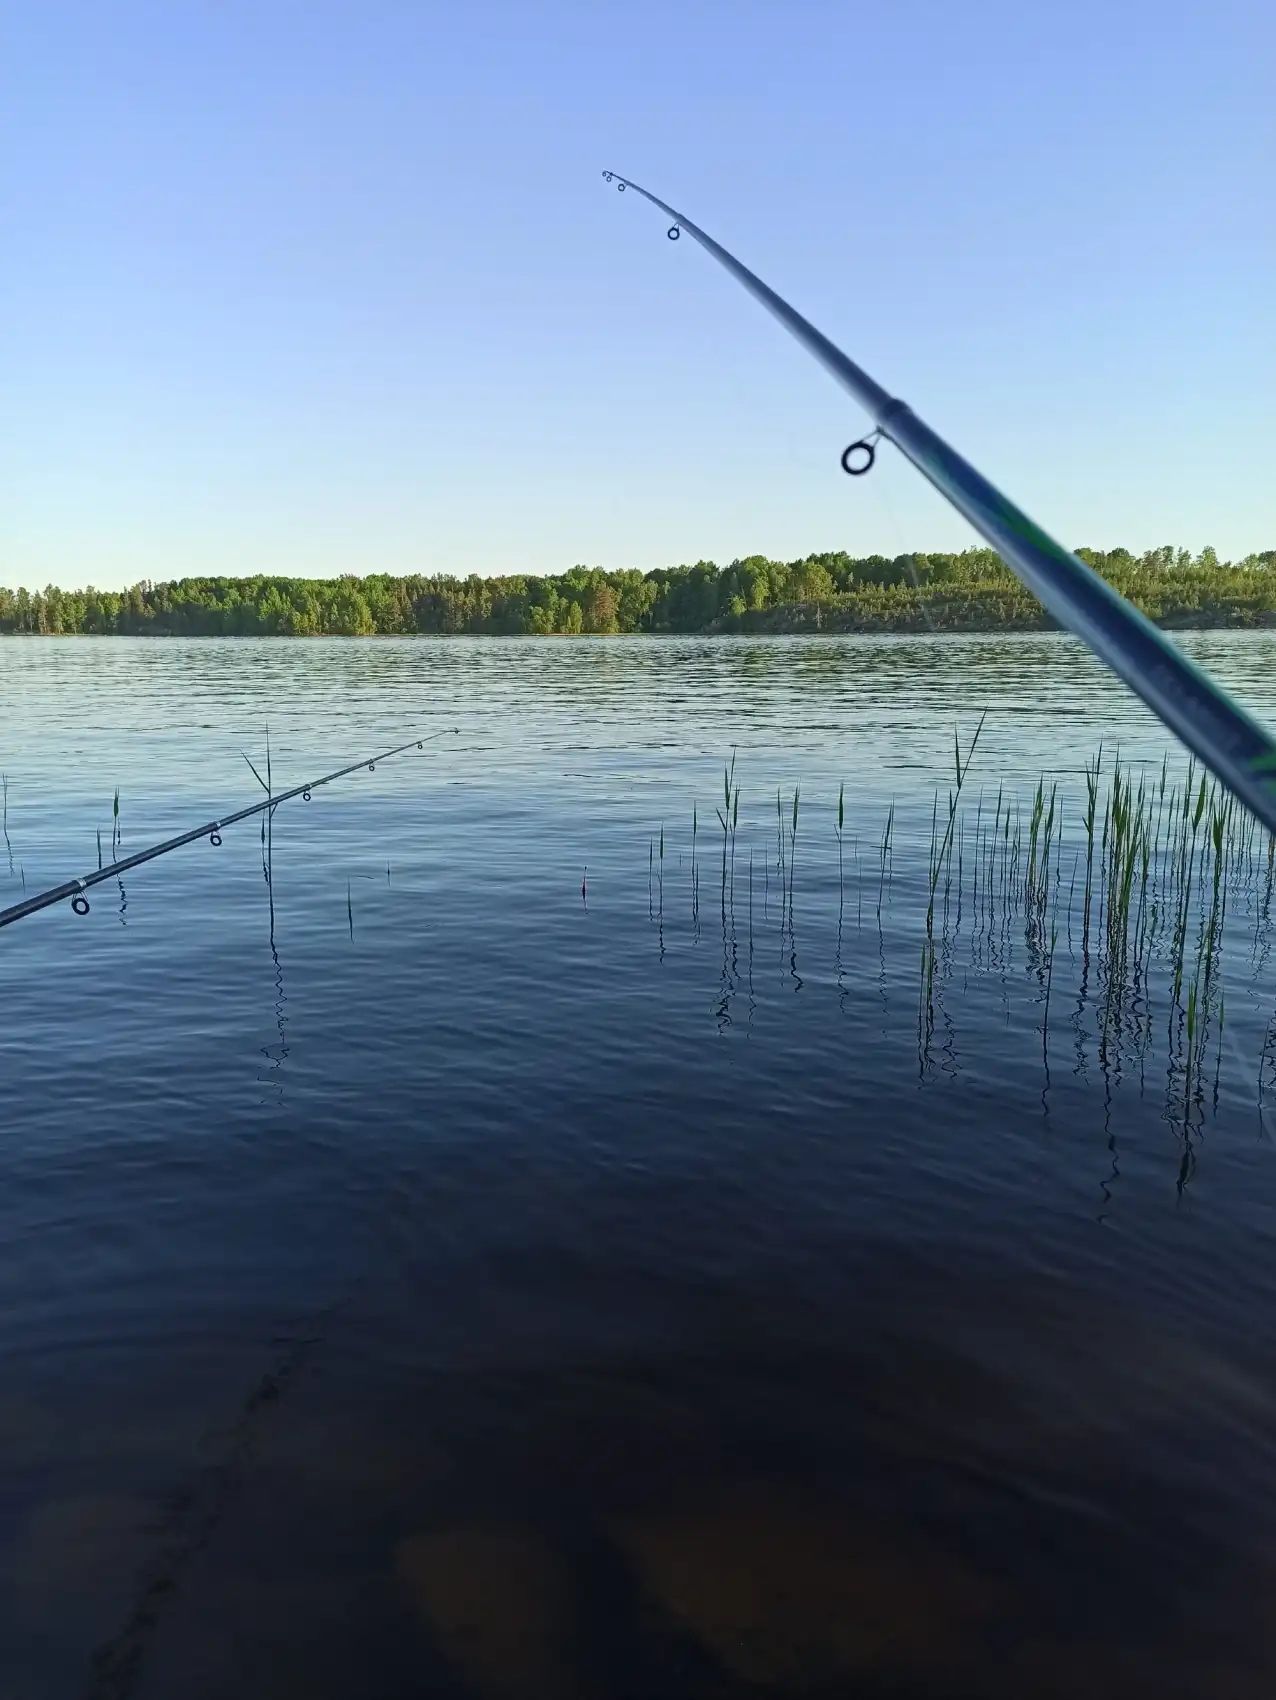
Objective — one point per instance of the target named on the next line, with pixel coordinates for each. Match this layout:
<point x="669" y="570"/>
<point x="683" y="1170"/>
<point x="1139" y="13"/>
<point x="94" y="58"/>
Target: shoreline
<point x="827" y="625"/>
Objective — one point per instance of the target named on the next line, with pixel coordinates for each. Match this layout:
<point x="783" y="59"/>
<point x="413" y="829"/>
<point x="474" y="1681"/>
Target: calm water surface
<point x="469" y="1285"/>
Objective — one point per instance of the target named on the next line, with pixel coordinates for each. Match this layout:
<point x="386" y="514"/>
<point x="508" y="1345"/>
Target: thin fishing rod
<point x="212" y="830"/>
<point x="1231" y="743"/>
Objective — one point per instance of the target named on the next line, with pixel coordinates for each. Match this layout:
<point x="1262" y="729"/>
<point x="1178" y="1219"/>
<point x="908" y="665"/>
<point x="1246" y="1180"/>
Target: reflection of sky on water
<point x="623" y="1296"/>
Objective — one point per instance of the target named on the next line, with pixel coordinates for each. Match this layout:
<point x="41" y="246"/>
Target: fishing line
<point x="879" y="489"/>
<point x="1236" y="749"/>
<point x="211" y="830"/>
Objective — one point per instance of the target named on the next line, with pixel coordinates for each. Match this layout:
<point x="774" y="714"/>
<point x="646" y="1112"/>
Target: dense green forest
<point x="971" y="591"/>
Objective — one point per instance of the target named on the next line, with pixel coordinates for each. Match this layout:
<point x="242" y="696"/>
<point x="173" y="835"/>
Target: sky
<point x="313" y="288"/>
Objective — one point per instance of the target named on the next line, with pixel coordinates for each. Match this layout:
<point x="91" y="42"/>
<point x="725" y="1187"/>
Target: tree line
<point x="969" y="591"/>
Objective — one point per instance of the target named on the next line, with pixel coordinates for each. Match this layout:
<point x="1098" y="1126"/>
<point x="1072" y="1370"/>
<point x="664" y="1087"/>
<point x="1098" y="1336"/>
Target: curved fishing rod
<point x="1230" y="743"/>
<point x="212" y="831"/>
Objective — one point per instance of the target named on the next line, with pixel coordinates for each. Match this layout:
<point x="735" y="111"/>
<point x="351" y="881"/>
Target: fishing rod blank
<point x="211" y="830"/>
<point x="1232" y="744"/>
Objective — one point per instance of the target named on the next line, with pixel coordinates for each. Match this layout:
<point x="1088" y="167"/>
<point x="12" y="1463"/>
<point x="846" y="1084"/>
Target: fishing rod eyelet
<point x="607" y="176"/>
<point x="80" y="903"/>
<point x="214" y="836"/>
<point x="673" y="233"/>
<point x="305" y="795"/>
<point x="620" y="188"/>
<point x="372" y="767"/>
<point x="420" y="743"/>
<point x="865" y="445"/>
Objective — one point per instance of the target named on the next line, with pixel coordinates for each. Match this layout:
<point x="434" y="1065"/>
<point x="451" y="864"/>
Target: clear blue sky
<point x="318" y="288"/>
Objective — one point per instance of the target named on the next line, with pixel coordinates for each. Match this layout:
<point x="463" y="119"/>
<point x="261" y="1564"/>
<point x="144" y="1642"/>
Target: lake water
<point x="424" y="1275"/>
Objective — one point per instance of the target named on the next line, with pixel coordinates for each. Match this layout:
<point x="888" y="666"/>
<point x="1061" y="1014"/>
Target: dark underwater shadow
<point x="931" y="1480"/>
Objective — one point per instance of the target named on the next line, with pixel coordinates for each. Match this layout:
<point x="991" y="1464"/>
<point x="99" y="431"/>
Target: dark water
<point x="471" y="1288"/>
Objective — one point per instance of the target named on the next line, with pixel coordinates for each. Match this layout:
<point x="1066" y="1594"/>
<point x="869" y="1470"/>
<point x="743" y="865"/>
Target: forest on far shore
<point x="970" y="591"/>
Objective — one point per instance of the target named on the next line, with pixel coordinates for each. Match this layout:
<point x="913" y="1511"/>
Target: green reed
<point x="793" y="832"/>
<point x="954" y="797"/>
<point x="1045" y="1014"/>
<point x="885" y="856"/>
<point x="4" y="820"/>
<point x="1147" y="864"/>
<point x="841" y="821"/>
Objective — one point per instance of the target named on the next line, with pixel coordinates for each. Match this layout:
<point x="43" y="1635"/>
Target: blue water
<point x="524" y="1264"/>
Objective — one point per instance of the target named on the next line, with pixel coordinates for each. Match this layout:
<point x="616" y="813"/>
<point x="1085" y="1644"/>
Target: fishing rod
<point x="211" y="830"/>
<point x="1227" y="739"/>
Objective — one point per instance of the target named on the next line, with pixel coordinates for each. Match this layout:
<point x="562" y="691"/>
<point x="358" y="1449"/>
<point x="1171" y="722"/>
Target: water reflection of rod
<point x="1236" y="749"/>
<point x="75" y="889"/>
